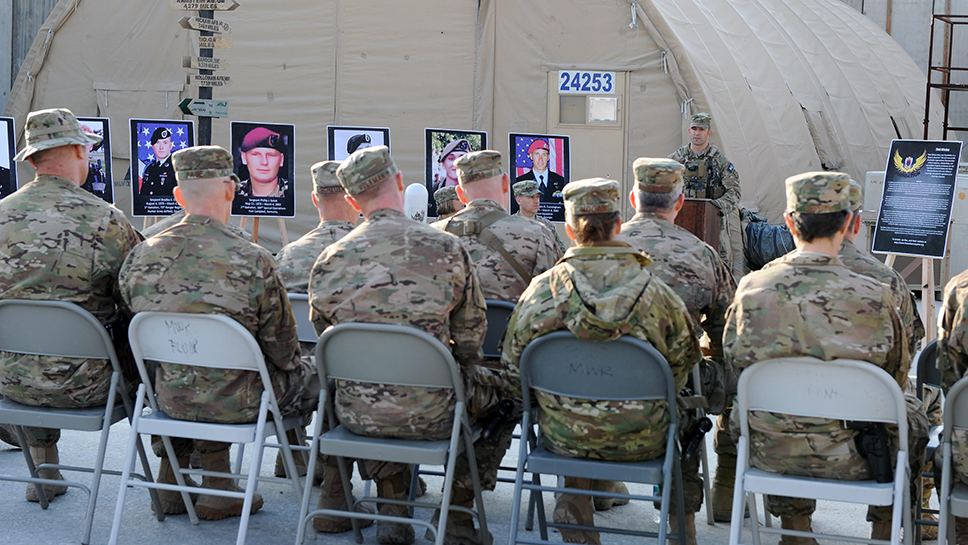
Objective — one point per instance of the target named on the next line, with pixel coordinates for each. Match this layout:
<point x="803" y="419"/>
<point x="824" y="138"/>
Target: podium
<point x="701" y="217"/>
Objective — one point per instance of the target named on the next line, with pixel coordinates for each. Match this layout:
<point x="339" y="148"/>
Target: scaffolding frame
<point x="945" y="69"/>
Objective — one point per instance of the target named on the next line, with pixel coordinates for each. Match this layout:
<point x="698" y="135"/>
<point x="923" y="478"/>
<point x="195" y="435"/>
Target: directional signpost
<point x="213" y="42"/>
<point x="204" y="108"/>
<point x="204" y="63"/>
<point x="206" y="24"/>
<point x="216" y="5"/>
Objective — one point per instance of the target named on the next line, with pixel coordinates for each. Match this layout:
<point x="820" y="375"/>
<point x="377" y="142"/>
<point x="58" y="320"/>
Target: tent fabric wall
<point x="792" y="84"/>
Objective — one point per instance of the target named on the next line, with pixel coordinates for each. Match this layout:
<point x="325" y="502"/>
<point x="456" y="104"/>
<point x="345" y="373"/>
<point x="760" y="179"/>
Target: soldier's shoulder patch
<point x="729" y="167"/>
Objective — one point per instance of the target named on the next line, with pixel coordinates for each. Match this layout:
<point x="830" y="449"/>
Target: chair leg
<point x="310" y="471"/>
<point x="754" y="519"/>
<point x="99" y="463"/>
<point x="179" y="478"/>
<point x="346" y="476"/>
<point x="255" y="466"/>
<point x="152" y="492"/>
<point x="706" y="483"/>
<point x="476" y="481"/>
<point x="133" y="437"/>
<point x="680" y="508"/>
<point x="414" y="483"/>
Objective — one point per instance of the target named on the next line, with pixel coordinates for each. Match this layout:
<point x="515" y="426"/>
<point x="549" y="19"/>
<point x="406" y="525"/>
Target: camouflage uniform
<point x="199" y="266"/>
<point x="600" y="293"/>
<point x="296" y="259"/>
<point x="710" y="166"/>
<point x="59" y="242"/>
<point x="177" y="217"/>
<point x="529" y="188"/>
<point x="809" y="304"/>
<point x="698" y="276"/>
<point x="953" y="357"/>
<point x="393" y="270"/>
<point x="529" y="243"/>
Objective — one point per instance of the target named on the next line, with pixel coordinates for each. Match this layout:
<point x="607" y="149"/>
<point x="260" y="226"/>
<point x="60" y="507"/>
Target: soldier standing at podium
<point x="710" y="175"/>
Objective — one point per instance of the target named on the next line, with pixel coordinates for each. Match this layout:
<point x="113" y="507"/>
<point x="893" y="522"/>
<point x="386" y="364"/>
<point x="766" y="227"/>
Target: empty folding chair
<point x="390" y="355"/>
<point x="839" y="390"/>
<point x="626" y="369"/>
<point x="58" y="328"/>
<point x="203" y="340"/>
<point x="304" y="327"/>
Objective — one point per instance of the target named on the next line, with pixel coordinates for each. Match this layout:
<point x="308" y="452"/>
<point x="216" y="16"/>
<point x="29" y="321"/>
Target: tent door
<point x="595" y="121"/>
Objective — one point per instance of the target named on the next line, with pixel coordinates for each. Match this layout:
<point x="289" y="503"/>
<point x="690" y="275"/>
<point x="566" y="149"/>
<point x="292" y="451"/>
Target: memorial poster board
<point x="546" y="159"/>
<point x="264" y="158"/>
<point x="153" y="177"/>
<point x="441" y="148"/>
<point x="99" y="175"/>
<point x="917" y="197"/>
<point x="8" y="150"/>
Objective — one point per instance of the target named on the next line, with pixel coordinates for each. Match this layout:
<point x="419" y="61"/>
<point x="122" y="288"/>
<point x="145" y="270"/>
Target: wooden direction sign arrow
<point x="194" y="5"/>
<point x="214" y="42"/>
<point x="206" y="24"/>
<point x="204" y="63"/>
<point x="209" y="80"/>
<point x="204" y="108"/>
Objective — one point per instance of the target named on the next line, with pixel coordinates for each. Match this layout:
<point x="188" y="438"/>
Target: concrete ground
<point x="27" y="523"/>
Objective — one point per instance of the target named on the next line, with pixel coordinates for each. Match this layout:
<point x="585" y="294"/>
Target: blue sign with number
<point x="580" y="82"/>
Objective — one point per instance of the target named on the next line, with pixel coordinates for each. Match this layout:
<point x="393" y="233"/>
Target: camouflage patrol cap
<point x="658" y="175"/>
<point x="478" y="165"/>
<point x="591" y="196"/>
<point x="856" y="195"/>
<point x="202" y="163"/>
<point x="366" y="168"/>
<point x="324" y="178"/>
<point x="818" y="192"/>
<point x="701" y="120"/>
<point x="46" y="129"/>
<point x="445" y="194"/>
<point x="527" y="188"/>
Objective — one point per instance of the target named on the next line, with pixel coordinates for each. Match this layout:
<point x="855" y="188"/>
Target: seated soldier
<point x="336" y="218"/>
<point x="177" y="217"/>
<point x="807" y="303"/>
<point x="600" y="290"/>
<point x="953" y="362"/>
<point x="61" y="243"/>
<point x="447" y="202"/>
<point x="199" y="266"/>
<point x="393" y="270"/>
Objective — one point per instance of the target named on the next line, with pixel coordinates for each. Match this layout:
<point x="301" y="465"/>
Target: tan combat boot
<point x="723" y="482"/>
<point x="460" y="526"/>
<point x="881" y="530"/>
<point x="575" y="509"/>
<point x="8" y="435"/>
<point x="394" y="533"/>
<point x="928" y="533"/>
<point x="689" y="521"/>
<point x="615" y="487"/>
<point x="801" y="524"/>
<point x="46" y="455"/>
<point x="219" y="507"/>
<point x="333" y="496"/>
<point x="172" y="502"/>
<point x="961" y="531"/>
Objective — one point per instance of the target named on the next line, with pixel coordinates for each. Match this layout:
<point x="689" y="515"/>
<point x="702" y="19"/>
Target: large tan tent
<point x="793" y="85"/>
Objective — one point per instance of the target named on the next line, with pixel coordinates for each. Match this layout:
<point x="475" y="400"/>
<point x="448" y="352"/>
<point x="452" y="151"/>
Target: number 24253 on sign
<point x="579" y="82"/>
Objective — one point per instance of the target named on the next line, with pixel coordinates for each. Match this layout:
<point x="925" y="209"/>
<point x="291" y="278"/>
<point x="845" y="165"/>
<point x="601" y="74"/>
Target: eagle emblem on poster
<point x="909" y="166"/>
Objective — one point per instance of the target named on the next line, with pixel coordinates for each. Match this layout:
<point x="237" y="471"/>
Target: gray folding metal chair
<point x="841" y="389"/>
<point x="391" y="355"/>
<point x="300" y="308"/>
<point x="58" y="328"/>
<point x="203" y="340"/>
<point x="626" y="369"/>
<point x="954" y="493"/>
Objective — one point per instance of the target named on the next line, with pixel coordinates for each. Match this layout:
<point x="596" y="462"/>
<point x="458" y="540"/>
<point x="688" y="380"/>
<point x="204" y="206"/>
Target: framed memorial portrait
<point x="343" y="141"/>
<point x="264" y="160"/>
<point x="545" y="159"/>
<point x="8" y="150"/>
<point x="152" y="175"/>
<point x="441" y="148"/>
<point x="99" y="175"/>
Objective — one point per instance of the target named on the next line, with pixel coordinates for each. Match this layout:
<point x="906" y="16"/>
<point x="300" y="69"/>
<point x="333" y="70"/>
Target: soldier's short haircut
<point x="593" y="228"/>
<point x="809" y="227"/>
<point x="648" y="201"/>
<point x="446" y="207"/>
